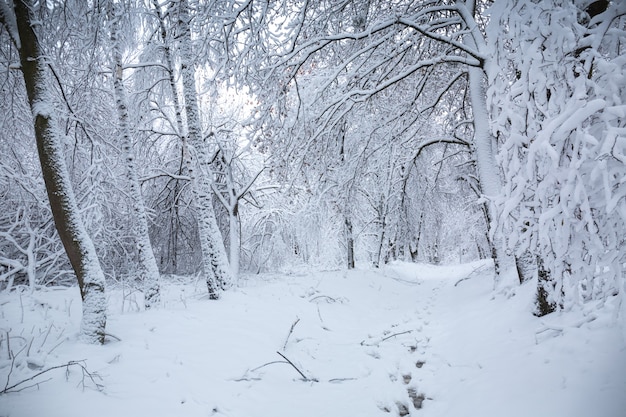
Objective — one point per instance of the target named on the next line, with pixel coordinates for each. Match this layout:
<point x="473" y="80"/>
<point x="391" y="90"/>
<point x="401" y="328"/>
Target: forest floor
<point x="408" y="339"/>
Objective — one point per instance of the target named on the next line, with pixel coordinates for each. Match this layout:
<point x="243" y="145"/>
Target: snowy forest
<point x="168" y="159"/>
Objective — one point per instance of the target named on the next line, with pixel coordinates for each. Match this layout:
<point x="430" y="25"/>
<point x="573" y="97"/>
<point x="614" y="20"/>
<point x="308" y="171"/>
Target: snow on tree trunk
<point x="487" y="166"/>
<point x="77" y="243"/>
<point x="148" y="269"/>
<point x="215" y="261"/>
<point x="526" y="265"/>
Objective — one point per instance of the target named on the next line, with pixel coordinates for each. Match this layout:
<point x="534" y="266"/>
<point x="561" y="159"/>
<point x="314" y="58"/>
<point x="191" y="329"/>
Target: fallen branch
<point x="246" y="376"/>
<point x="296" y="368"/>
<point x="92" y="376"/>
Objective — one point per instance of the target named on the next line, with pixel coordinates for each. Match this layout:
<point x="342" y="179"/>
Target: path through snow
<point x="401" y="341"/>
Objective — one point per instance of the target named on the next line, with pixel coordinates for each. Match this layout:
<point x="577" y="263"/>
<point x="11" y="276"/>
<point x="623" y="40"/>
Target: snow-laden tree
<point x="19" y="23"/>
<point x="231" y="192"/>
<point x="30" y="251"/>
<point x="558" y="96"/>
<point x="198" y="157"/>
<point x="388" y="64"/>
<point x="148" y="269"/>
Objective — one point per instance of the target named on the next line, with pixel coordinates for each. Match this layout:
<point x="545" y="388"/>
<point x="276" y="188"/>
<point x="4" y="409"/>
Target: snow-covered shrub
<point x="558" y="97"/>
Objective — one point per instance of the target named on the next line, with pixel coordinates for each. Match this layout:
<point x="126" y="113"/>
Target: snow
<point x="364" y="339"/>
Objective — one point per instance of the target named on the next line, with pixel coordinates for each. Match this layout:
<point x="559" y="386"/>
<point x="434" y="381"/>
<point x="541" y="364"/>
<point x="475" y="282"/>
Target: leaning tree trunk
<point x="77" y="243"/>
<point x="148" y="268"/>
<point x="214" y="256"/>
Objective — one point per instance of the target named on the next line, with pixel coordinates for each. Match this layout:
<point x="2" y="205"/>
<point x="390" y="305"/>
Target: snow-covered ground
<point x="407" y="339"/>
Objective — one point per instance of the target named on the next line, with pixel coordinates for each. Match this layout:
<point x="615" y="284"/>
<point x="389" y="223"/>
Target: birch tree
<point x="198" y="157"/>
<point x="149" y="270"/>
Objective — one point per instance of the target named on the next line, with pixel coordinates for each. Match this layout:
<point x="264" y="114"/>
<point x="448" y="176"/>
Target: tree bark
<point x="214" y="257"/>
<point x="545" y="286"/>
<point x="148" y="269"/>
<point x="169" y="64"/>
<point x="349" y="242"/>
<point x="485" y="148"/>
<point x="77" y="243"/>
<point x="234" y="238"/>
<point x="526" y="266"/>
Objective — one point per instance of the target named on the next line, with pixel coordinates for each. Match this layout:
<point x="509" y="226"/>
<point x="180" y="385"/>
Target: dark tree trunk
<point x="78" y="245"/>
<point x="545" y="285"/>
<point x="350" y="243"/>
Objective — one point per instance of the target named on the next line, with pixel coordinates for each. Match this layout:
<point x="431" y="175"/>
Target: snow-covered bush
<point x="558" y="97"/>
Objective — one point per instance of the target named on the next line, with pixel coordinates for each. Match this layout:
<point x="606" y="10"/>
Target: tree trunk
<point x="77" y="243"/>
<point x="234" y="230"/>
<point x="214" y="257"/>
<point x="169" y="64"/>
<point x="349" y="242"/>
<point x="148" y="268"/>
<point x="485" y="148"/>
<point x="487" y="167"/>
<point x="526" y="266"/>
<point x="544" y="305"/>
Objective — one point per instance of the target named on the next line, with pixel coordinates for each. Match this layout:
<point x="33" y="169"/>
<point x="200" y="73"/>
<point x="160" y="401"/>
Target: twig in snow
<point x="290" y="331"/>
<point x="337" y="380"/>
<point x="9" y="354"/>
<point x="29" y="345"/>
<point x="113" y="336"/>
<point x="265" y="364"/>
<point x="363" y="343"/>
<point x="56" y="346"/>
<point x="22" y="309"/>
<point x="396" y="334"/>
<point x="319" y="314"/>
<point x="10" y="372"/>
<point x="296" y="368"/>
<point x="331" y="299"/>
<point x="46" y="337"/>
<point x="91" y="375"/>
<point x="471" y="274"/>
